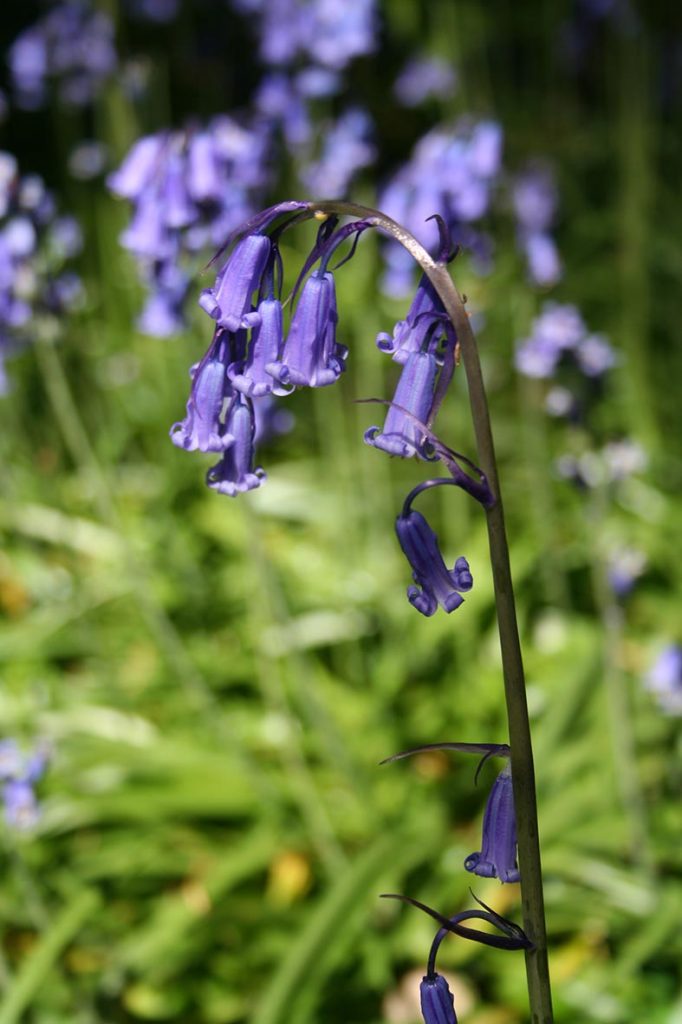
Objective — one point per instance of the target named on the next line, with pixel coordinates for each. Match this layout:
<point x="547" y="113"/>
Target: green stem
<point x="537" y="969"/>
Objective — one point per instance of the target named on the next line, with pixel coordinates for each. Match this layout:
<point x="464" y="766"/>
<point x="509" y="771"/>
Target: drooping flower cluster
<point x="19" y="774"/>
<point x="189" y="191"/>
<point x="72" y="46"/>
<point x="451" y="173"/>
<point x="36" y="246"/>
<point x="664" y="679"/>
<point x="252" y="357"/>
<point x="535" y="200"/>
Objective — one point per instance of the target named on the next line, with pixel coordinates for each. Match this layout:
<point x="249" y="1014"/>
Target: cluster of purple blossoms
<point x="452" y="173"/>
<point x="328" y="33"/>
<point x="35" y="246"/>
<point x="664" y="679"/>
<point x="19" y="774"/>
<point x="425" y="78"/>
<point x="535" y="200"/>
<point x="252" y="357"/>
<point x="189" y="190"/>
<point x="559" y="334"/>
<point x="71" y="45"/>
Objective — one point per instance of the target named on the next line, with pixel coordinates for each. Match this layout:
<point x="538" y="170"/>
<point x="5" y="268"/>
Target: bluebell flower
<point x="19" y="773"/>
<point x="229" y="301"/>
<point x="595" y="355"/>
<point x="311" y="356"/>
<point x="203" y="426"/>
<point x="424" y="78"/>
<point x="348" y="147"/>
<point x="436" y="584"/>
<point x="664" y="679"/>
<point x="250" y="375"/>
<point x="624" y="567"/>
<point x="235" y="473"/>
<point x="410" y="334"/>
<point x="436" y="1000"/>
<point x="72" y="46"/>
<point x="412" y="402"/>
<point x="497" y="857"/>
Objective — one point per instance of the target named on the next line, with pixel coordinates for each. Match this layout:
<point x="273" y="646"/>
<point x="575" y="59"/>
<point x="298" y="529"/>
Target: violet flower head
<point x="249" y="375"/>
<point x="410" y="334"/>
<point x="348" y="148"/>
<point x="412" y="403"/>
<point x="436" y="584"/>
<point x="19" y="773"/>
<point x="311" y="355"/>
<point x="424" y="78"/>
<point x="235" y="473"/>
<point x="229" y="301"/>
<point x="436" y="999"/>
<point x="664" y="679"/>
<point x="202" y="427"/>
<point x="497" y="857"/>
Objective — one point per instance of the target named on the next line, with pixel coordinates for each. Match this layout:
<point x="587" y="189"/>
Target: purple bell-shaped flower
<point x="311" y="355"/>
<point x="235" y="472"/>
<point x="439" y="585"/>
<point x="497" y="857"/>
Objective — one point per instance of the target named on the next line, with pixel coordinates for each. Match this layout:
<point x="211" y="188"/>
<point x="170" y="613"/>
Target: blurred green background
<point x="218" y="679"/>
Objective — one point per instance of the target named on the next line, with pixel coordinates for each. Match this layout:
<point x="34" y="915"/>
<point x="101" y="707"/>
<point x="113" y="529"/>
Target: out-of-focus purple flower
<point x="347" y="149"/>
<point x="664" y="679"/>
<point x="439" y="585"/>
<point x="317" y="83"/>
<point x="73" y="46"/>
<point x="19" y="773"/>
<point x="595" y="355"/>
<point x="558" y="329"/>
<point x="624" y="567"/>
<point x="497" y="857"/>
<point x="542" y="257"/>
<point x="436" y="1000"/>
<point x="87" y="160"/>
<point x="35" y="246"/>
<point x="235" y="473"/>
<point x="535" y="199"/>
<point x="452" y="173"/>
<point x="425" y="78"/>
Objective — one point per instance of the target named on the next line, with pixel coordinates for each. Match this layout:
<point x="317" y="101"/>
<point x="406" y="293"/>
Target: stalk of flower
<point x="310" y="356"/>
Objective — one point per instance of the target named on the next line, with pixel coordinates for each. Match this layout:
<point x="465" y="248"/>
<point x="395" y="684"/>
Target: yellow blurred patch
<point x="289" y="877"/>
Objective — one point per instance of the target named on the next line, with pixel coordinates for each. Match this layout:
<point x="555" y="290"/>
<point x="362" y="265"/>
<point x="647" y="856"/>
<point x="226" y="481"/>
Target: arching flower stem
<point x="515" y="691"/>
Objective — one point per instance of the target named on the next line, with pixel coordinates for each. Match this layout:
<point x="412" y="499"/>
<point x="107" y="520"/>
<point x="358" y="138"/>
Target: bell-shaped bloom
<point x="497" y="857"/>
<point x="204" y="180"/>
<point x="21" y="804"/>
<point x="229" y="301"/>
<point x="311" y="355"/>
<point x="412" y="402"/>
<point x="437" y="1003"/>
<point x="250" y="375"/>
<point x="410" y="334"/>
<point x="235" y="472"/>
<point x="202" y="427"/>
<point x="439" y="585"/>
<point x="179" y="210"/>
<point x="147" y="235"/>
<point x="139" y="167"/>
